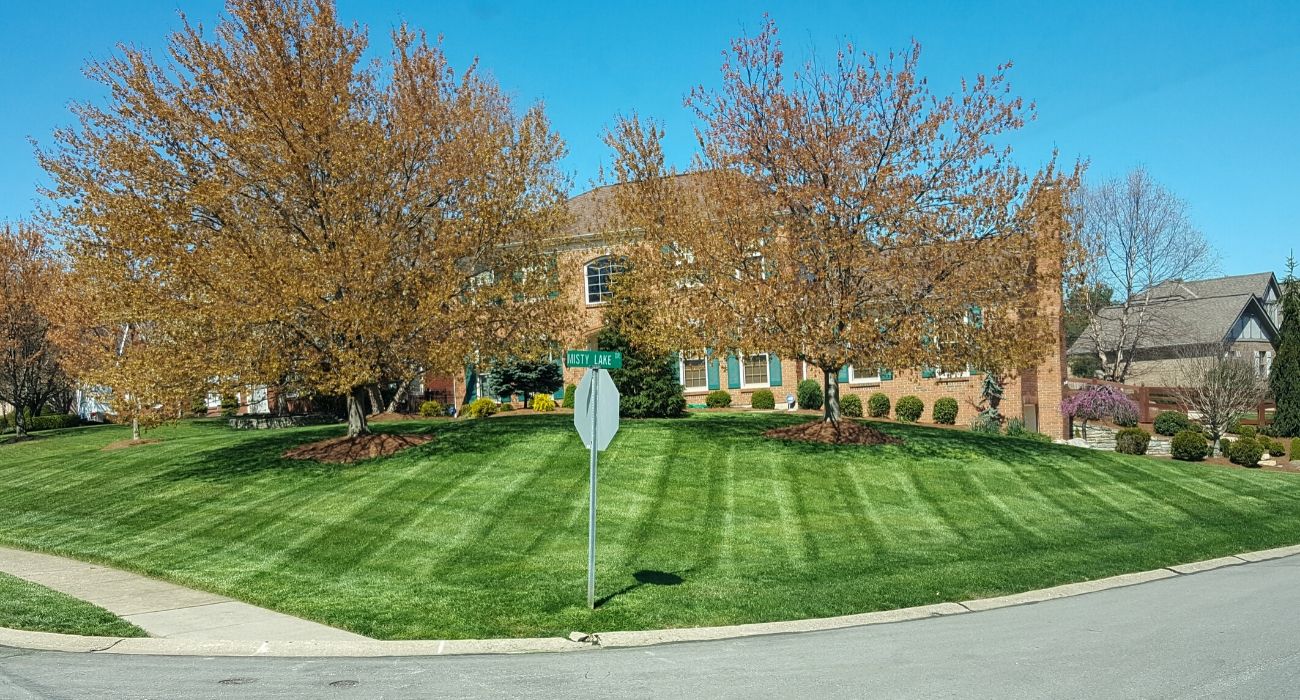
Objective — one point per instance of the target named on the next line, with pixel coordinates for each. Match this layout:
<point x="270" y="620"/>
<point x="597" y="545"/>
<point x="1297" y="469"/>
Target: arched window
<point x="599" y="273"/>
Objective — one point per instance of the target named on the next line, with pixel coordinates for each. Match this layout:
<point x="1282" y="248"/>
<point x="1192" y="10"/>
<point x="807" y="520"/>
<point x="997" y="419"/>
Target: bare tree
<point x="1139" y="236"/>
<point x="1217" y="386"/>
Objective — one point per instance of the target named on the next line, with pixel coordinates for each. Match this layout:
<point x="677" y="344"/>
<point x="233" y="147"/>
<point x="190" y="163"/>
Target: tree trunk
<point x="403" y="392"/>
<point x="376" y="398"/>
<point x="135" y="427"/>
<point x="20" y="424"/>
<point x="831" y="403"/>
<point x="357" y="412"/>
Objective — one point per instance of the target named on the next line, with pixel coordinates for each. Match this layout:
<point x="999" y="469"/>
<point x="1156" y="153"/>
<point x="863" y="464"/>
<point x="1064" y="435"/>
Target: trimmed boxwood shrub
<point x="432" y="408"/>
<point x="481" y="408"/>
<point x="1171" y="423"/>
<point x="945" y="411"/>
<point x="1225" y="447"/>
<point x="543" y="403"/>
<point x="763" y="399"/>
<point x="851" y="405"/>
<point x="1247" y="452"/>
<point x="809" y="394"/>
<point x="1274" y="448"/>
<point x="878" y="405"/>
<point x="1132" y="441"/>
<point x="909" y="409"/>
<point x="1188" y="445"/>
<point x="718" y="399"/>
<point x="1246" y="431"/>
<point x="570" y="395"/>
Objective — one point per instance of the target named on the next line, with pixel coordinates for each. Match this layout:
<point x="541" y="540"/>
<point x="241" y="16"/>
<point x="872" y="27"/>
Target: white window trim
<point x="767" y="370"/>
<point x="854" y="379"/>
<point x="681" y="375"/>
<point x="586" y="279"/>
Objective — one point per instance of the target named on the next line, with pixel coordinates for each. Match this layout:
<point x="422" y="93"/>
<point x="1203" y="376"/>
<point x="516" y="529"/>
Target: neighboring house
<point x="1034" y="395"/>
<point x="1188" y="318"/>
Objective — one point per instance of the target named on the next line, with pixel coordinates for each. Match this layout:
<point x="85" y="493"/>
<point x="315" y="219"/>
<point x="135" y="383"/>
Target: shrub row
<point x="47" y="422"/>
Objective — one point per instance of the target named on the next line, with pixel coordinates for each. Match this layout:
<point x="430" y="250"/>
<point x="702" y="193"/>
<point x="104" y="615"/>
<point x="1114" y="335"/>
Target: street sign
<point x="595" y="415"/>
<point x="596" y="398"/>
<point x="605" y="359"/>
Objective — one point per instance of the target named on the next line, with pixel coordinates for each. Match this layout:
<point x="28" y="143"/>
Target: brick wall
<point x="1039" y="388"/>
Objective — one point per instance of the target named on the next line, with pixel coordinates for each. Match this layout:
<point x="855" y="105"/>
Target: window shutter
<point x="977" y="316"/>
<point x="927" y="373"/>
<point x="733" y="372"/>
<point x="773" y="369"/>
<point x="886" y="374"/>
<point x="559" y="393"/>
<point x="676" y="358"/>
<point x="843" y="376"/>
<point x="711" y="370"/>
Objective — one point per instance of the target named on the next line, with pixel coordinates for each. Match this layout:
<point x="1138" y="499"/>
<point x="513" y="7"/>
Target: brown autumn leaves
<point x="264" y="206"/>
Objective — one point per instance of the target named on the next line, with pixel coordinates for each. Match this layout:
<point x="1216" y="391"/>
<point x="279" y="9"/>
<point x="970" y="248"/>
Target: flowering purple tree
<point x="1098" y="402"/>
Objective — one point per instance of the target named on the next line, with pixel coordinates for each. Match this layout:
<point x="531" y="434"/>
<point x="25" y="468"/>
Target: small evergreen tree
<point x="526" y="377"/>
<point x="1284" y="378"/>
<point x="648" y="382"/>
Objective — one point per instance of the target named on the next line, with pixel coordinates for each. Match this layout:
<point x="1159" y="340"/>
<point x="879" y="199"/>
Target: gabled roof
<point x="1256" y="283"/>
<point x="1189" y="313"/>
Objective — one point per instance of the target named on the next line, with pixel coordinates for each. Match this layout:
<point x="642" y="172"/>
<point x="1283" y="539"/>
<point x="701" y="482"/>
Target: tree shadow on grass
<point x="247" y="456"/>
<point x="645" y="577"/>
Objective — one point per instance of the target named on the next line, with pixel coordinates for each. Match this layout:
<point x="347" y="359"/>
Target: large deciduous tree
<point x="844" y="213"/>
<point x="283" y="208"/>
<point x="31" y="374"/>
<point x="1284" y="377"/>
<point x="1139" y="236"/>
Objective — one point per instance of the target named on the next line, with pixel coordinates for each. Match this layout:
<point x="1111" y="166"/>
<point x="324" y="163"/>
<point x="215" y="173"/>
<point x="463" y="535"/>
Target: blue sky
<point x="1205" y="94"/>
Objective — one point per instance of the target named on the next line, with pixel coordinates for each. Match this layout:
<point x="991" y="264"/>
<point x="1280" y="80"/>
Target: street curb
<point x="48" y="641"/>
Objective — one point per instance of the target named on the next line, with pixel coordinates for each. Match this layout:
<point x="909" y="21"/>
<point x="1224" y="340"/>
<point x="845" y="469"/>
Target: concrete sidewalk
<point x="164" y="609"/>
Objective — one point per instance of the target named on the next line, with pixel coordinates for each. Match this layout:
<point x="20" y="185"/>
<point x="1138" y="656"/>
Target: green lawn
<point x="483" y="532"/>
<point x="27" y="606"/>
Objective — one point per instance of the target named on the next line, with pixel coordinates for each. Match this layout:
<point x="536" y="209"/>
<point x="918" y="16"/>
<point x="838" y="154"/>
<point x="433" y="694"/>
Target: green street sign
<point x="603" y="359"/>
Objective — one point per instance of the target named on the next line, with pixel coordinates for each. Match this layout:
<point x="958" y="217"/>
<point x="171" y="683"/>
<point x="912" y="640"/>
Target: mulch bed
<point x="391" y="417"/>
<point x="346" y="450"/>
<point x="123" y="444"/>
<point x="845" y="432"/>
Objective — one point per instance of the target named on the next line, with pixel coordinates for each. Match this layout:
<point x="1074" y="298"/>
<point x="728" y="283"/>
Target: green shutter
<point x="927" y="373"/>
<point x="977" y="316"/>
<point x="559" y="393"/>
<point x="843" y="376"/>
<point x="711" y="370"/>
<point x="733" y="372"/>
<point x="676" y="359"/>
<point x="773" y="369"/>
<point x="886" y="374"/>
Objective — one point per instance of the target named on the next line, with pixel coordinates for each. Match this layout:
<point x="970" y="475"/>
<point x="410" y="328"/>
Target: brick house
<point x="1034" y="394"/>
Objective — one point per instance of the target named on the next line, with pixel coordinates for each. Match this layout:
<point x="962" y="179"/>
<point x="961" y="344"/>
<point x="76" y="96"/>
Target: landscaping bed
<point x="703" y="521"/>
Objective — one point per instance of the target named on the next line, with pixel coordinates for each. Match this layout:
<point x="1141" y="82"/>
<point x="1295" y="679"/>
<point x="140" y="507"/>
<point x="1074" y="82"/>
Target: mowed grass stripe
<point x="482" y="532"/>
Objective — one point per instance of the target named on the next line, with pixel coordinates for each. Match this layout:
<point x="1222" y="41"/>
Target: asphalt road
<point x="1231" y="632"/>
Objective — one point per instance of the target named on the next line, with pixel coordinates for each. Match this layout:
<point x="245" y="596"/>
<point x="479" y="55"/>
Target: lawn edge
<point x="50" y="641"/>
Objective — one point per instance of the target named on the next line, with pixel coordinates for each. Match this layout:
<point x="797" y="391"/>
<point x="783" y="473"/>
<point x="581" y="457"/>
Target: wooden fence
<point x="1151" y="400"/>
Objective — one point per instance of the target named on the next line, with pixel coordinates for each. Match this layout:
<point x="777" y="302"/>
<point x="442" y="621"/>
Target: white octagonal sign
<point x="596" y="397"/>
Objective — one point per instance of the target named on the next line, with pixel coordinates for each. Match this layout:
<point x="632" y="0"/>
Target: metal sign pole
<point x="591" y="514"/>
